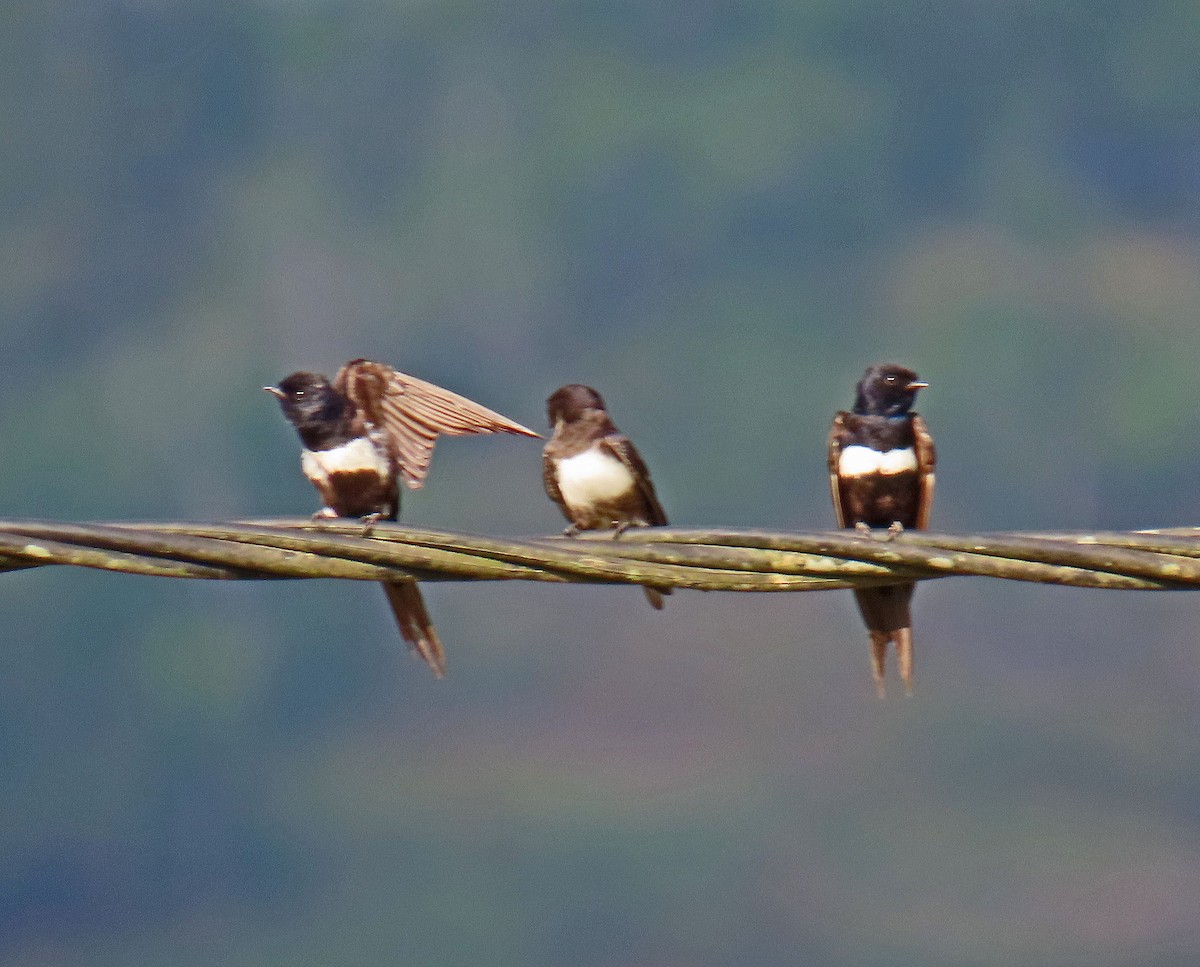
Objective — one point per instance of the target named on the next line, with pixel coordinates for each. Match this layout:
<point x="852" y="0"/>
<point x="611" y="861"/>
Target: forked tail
<point x="888" y="618"/>
<point x="416" y="628"/>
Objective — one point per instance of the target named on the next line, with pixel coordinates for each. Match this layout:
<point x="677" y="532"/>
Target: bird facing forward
<point x="594" y="473"/>
<point x="881" y="463"/>
<point x="363" y="433"/>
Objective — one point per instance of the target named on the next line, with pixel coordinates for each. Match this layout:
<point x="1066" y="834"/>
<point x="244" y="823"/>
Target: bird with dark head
<point x="888" y="389"/>
<point x="881" y="474"/>
<point x="573" y="402"/>
<point x="594" y="473"/>
<point x="365" y="432"/>
<point x="313" y="407"/>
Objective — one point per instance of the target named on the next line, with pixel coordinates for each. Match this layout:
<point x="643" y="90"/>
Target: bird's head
<point x="887" y="389"/>
<point x="307" y="398"/>
<point x="568" y="403"/>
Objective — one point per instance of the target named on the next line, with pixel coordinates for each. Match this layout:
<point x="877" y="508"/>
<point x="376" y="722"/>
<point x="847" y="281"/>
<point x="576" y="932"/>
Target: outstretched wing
<point x="412" y="413"/>
<point x="620" y="447"/>
<point x="926" y="461"/>
<point x="837" y="434"/>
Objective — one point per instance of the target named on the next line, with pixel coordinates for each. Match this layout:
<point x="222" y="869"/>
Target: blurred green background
<point x="717" y="214"/>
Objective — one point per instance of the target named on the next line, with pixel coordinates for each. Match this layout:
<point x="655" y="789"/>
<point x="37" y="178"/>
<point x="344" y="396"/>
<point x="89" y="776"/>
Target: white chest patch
<point x="354" y="456"/>
<point x="857" y="461"/>
<point x="593" y="477"/>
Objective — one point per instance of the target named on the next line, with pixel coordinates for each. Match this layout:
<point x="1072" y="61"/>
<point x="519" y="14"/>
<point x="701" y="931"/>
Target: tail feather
<point x="414" y="623"/>
<point x="888" y="619"/>
<point x="904" y="656"/>
<point x="879" y="643"/>
<point x="655" y="596"/>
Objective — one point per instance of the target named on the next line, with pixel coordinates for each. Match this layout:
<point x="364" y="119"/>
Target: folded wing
<point x="620" y="447"/>
<point x="926" y="462"/>
<point x="837" y="435"/>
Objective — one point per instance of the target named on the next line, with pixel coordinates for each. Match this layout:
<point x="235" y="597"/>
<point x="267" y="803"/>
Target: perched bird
<point x="594" y="473"/>
<point x="881" y="460"/>
<point x="363" y="433"/>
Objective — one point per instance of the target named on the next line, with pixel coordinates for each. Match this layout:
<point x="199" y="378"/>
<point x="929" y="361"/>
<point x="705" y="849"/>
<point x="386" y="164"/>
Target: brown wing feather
<point x="550" y="482"/>
<point x="926" y="461"/>
<point x="836" y="433"/>
<point x="413" y="413"/>
<point x="621" y="448"/>
<point x="364" y="383"/>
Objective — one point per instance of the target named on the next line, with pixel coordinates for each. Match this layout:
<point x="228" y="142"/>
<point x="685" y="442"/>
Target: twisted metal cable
<point x="706" y="560"/>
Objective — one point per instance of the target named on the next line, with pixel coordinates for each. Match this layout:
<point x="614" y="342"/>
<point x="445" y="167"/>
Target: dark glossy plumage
<point x="881" y="475"/>
<point x="363" y="433"/>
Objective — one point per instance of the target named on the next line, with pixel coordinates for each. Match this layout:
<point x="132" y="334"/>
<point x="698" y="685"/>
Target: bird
<point x="372" y="427"/>
<point x="881" y="475"/>
<point x="594" y="472"/>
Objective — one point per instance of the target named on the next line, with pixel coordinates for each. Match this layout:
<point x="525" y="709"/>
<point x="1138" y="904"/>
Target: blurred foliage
<point x="718" y="214"/>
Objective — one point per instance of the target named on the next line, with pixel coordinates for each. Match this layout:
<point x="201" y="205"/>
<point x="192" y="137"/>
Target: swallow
<point x="365" y="432"/>
<point x="594" y="473"/>
<point x="881" y="463"/>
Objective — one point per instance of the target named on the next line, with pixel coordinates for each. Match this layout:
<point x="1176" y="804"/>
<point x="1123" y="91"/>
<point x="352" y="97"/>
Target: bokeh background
<point x="717" y="214"/>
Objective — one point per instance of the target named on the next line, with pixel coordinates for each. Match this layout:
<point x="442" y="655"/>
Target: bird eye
<point x="298" y="394"/>
<point x="890" y="378"/>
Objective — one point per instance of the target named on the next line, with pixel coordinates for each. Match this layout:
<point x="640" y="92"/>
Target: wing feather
<point x="836" y="434"/>
<point x="621" y="448"/>
<point x="413" y="413"/>
<point x="550" y="482"/>
<point x="926" y="461"/>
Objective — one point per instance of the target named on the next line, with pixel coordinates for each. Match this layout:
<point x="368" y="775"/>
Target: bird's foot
<point x="572" y="531"/>
<point x="368" y="523"/>
<point x="325" y="513"/>
<point x="894" y="529"/>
